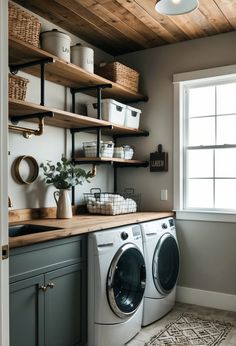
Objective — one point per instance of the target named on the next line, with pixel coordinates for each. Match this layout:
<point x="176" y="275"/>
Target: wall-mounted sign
<point x="159" y="160"/>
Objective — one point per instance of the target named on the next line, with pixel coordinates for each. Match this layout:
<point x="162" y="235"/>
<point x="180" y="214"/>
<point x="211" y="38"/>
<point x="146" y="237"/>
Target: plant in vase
<point x="63" y="175"/>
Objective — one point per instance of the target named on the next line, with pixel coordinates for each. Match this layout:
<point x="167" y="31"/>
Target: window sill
<point x="201" y="215"/>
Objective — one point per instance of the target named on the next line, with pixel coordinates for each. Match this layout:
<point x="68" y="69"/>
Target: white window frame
<point x="180" y="80"/>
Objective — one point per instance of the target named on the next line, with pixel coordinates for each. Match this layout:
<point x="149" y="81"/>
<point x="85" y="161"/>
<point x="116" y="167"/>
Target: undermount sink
<point x="19" y="230"/>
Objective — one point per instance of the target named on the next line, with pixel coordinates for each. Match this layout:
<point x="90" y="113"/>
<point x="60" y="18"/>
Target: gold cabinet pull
<point x="51" y="285"/>
<point x="43" y="288"/>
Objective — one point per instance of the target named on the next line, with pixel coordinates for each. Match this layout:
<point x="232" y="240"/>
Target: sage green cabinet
<point x="27" y="312"/>
<point x="48" y="303"/>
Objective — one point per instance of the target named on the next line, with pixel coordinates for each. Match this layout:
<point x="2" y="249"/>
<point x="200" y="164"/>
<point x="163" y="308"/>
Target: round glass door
<point x="165" y="265"/>
<point x="126" y="281"/>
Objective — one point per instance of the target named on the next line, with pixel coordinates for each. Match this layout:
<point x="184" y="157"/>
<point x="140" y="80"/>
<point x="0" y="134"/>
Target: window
<point x="205" y="140"/>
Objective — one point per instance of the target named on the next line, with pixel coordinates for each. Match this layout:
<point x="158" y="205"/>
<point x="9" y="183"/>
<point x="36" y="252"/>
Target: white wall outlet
<point x="164" y="195"/>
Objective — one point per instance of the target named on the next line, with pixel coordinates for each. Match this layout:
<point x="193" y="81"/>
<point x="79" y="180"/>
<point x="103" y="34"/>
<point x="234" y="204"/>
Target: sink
<point x="19" y="230"/>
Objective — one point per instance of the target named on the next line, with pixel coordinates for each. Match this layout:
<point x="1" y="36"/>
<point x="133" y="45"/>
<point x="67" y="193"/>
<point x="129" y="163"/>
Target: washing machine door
<point x="165" y="264"/>
<point x="126" y="281"/>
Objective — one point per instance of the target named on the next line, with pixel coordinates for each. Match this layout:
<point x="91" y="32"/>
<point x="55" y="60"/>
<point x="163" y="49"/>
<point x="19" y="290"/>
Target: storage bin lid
<point x="133" y="109"/>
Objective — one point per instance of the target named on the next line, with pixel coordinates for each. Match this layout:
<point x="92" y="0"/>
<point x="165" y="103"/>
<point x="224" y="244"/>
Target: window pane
<point x="202" y="131"/>
<point x="202" y="101"/>
<point x="200" y="163"/>
<point x="226" y="129"/>
<point x="200" y="193"/>
<point x="226" y="100"/>
<point x="225" y="163"/>
<point x="225" y="194"/>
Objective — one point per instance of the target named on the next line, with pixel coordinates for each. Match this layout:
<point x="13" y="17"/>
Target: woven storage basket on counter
<point x="23" y="25"/>
<point x="17" y="87"/>
<point x="119" y="73"/>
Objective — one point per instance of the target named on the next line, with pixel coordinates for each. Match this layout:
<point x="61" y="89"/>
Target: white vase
<point x="64" y="209"/>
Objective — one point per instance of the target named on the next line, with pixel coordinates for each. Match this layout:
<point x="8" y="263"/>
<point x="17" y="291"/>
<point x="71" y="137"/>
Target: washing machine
<point x="116" y="284"/>
<point x="161" y="253"/>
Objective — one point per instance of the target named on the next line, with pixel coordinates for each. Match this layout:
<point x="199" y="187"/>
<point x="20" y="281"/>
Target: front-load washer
<point x="116" y="284"/>
<point x="161" y="255"/>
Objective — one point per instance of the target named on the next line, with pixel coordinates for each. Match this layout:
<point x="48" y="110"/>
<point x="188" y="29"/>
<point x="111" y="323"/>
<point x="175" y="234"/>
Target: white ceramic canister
<point x="83" y="57"/>
<point x="57" y="43"/>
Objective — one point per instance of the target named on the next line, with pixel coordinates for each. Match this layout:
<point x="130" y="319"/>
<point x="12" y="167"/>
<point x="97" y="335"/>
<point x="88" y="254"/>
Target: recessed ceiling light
<point x="175" y="7"/>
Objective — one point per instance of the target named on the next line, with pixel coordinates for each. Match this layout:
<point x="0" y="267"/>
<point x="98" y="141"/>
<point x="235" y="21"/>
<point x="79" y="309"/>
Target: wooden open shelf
<point x="66" y="119"/>
<point x="116" y="161"/>
<point x="64" y="73"/>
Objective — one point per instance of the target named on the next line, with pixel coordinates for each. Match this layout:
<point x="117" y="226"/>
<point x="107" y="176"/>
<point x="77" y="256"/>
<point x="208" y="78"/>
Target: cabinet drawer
<point x="35" y="259"/>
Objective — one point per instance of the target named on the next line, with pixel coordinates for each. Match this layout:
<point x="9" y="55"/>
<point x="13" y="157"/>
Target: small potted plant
<point x="63" y="175"/>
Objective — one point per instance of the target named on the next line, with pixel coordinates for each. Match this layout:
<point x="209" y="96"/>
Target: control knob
<point x="164" y="226"/>
<point x="124" y="235"/>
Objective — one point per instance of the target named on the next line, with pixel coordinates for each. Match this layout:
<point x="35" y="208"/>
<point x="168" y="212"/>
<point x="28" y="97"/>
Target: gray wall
<point x="208" y="254"/>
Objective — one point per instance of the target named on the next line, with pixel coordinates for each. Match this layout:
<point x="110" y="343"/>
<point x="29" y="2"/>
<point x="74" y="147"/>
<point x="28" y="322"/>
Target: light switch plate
<point x="164" y="195"/>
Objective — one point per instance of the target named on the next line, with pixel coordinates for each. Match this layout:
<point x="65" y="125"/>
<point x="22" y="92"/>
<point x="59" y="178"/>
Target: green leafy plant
<point x="64" y="174"/>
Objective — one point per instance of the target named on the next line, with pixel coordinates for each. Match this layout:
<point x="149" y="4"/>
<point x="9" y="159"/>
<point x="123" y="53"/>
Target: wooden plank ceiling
<point x="122" y="26"/>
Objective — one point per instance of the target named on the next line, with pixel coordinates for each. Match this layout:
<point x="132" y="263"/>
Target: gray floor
<point x="147" y="332"/>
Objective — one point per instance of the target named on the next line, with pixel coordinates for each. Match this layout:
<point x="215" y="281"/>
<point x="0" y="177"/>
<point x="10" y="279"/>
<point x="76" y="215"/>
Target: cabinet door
<point x="65" y="306"/>
<point x="26" y="312"/>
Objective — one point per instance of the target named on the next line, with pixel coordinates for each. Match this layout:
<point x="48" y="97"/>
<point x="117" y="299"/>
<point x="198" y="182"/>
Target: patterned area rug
<point x="191" y="330"/>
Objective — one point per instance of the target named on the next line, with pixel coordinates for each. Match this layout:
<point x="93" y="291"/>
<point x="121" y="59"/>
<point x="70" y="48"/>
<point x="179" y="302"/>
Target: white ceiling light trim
<point x="175" y="7"/>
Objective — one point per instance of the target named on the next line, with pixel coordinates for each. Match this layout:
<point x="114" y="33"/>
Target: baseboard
<point x="206" y="298"/>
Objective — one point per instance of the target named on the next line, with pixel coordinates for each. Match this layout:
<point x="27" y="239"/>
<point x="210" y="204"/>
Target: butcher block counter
<point x="78" y="224"/>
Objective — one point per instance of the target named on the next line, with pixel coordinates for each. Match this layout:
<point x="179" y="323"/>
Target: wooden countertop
<point x="81" y="224"/>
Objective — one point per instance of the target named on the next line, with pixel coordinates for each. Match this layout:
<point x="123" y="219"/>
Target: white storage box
<point x="132" y="117"/>
<point x="106" y="149"/>
<point x="112" y="111"/>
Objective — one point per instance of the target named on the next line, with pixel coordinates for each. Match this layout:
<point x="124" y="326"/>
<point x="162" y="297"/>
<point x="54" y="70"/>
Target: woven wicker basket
<point x="23" y="25"/>
<point x="119" y="73"/>
<point x="17" y="87"/>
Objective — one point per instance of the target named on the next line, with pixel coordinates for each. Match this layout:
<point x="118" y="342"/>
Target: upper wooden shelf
<point x="64" y="73"/>
<point x="66" y="119"/>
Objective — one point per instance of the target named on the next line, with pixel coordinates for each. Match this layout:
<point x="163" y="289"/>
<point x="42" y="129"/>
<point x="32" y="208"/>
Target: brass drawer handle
<point x="50" y="285"/>
<point x="43" y="288"/>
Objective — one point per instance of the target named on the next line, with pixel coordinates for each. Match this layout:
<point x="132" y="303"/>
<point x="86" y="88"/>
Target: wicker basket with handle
<point x="23" y="25"/>
<point x="119" y="73"/>
<point x="17" y="87"/>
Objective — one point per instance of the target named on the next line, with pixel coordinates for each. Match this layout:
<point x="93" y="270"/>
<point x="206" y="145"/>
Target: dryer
<point x="116" y="284"/>
<point x="161" y="253"/>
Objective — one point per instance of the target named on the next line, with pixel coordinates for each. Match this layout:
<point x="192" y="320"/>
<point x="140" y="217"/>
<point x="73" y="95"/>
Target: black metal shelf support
<point x="74" y="91"/>
<point x="42" y="62"/>
<point x="28" y="132"/>
<point x="16" y="119"/>
<point x="123" y="165"/>
<point x="125" y="135"/>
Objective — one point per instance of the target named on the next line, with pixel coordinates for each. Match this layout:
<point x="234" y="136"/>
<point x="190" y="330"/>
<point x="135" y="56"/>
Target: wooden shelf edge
<point x="61" y="67"/>
<point x="65" y="119"/>
<point x="108" y="160"/>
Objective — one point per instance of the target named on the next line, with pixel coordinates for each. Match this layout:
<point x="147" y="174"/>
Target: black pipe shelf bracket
<point x="125" y="135"/>
<point x="27" y="132"/>
<point x="14" y="69"/>
<point x="16" y="119"/>
<point x="98" y="88"/>
<point x="127" y="164"/>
